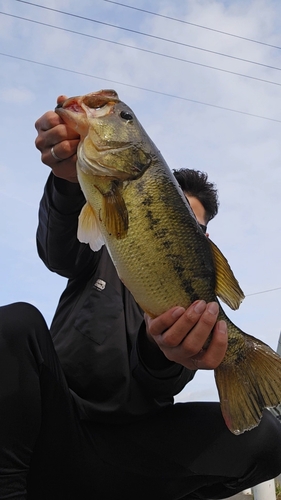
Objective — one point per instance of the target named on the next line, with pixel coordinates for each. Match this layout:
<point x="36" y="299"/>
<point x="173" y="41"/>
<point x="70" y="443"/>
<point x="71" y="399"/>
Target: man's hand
<point x="184" y="335"/>
<point x="53" y="133"/>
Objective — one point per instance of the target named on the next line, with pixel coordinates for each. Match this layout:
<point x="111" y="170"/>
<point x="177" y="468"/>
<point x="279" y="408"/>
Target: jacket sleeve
<point x="56" y="236"/>
<point x="150" y="367"/>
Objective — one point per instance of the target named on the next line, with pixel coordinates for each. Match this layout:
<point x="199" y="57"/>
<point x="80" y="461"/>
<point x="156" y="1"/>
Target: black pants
<point x="46" y="452"/>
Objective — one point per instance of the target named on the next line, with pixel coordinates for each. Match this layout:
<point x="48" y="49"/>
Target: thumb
<point x="61" y="98"/>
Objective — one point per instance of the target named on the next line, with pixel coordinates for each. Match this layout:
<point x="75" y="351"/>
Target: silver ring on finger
<point x="57" y="158"/>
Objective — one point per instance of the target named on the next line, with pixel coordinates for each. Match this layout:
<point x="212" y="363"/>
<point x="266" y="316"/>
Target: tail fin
<point x="248" y="384"/>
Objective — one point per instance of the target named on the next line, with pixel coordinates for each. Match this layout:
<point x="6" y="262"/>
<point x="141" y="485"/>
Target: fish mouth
<point x="95" y="101"/>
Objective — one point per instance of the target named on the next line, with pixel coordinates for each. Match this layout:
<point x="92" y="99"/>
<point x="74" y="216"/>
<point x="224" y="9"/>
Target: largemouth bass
<point x="137" y="209"/>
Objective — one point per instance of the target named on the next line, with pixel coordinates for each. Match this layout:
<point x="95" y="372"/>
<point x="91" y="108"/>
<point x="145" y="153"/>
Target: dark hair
<point x="195" y="183"/>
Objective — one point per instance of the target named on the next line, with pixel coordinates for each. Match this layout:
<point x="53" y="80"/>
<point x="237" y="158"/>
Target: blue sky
<point x="209" y="100"/>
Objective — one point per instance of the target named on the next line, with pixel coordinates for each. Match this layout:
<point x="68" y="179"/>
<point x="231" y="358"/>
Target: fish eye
<point x="125" y="115"/>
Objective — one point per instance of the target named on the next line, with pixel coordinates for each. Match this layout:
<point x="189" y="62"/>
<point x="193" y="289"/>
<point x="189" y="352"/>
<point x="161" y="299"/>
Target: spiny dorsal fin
<point x="227" y="286"/>
<point x="88" y="228"/>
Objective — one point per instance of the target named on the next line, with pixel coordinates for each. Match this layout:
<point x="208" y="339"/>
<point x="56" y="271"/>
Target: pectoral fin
<point x="227" y="286"/>
<point x="114" y="213"/>
<point x="88" y="228"/>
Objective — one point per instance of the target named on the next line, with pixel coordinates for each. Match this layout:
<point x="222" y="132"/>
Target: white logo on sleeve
<point x="100" y="284"/>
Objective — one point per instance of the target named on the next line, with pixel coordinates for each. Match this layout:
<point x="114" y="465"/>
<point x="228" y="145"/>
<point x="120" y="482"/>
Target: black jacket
<point x="114" y="372"/>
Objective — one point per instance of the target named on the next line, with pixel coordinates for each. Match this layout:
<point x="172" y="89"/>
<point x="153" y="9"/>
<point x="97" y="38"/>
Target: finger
<point x="199" y="336"/>
<point x="63" y="140"/>
<point x="193" y="327"/>
<point x="55" y="133"/>
<point x="210" y="358"/>
<point x="218" y="343"/>
<point x="159" y="324"/>
<point x="60" y="151"/>
<point x="61" y="98"/>
<point x="63" y="161"/>
<point x="50" y="119"/>
<point x="205" y="358"/>
<point x="187" y="337"/>
<point x="47" y="121"/>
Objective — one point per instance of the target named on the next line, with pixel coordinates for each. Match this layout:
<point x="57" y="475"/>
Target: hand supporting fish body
<point x="136" y="208"/>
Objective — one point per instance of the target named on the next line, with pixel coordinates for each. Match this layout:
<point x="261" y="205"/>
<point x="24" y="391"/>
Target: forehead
<point x="197" y="208"/>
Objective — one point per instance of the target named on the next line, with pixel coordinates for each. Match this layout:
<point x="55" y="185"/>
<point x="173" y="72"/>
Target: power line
<point x="167" y="56"/>
<point x="150" y="36"/>
<point x="263" y="291"/>
<point x="140" y="88"/>
<point x="194" y="24"/>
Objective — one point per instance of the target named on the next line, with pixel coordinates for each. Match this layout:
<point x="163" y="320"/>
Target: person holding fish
<point x="93" y="415"/>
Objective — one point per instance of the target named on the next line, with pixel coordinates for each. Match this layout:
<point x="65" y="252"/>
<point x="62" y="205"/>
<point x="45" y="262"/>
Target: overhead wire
<point x="183" y="21"/>
<point x="135" y="48"/>
<point x="263" y="291"/>
<point x="141" y="88"/>
<point x="167" y="56"/>
<point x="150" y="35"/>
